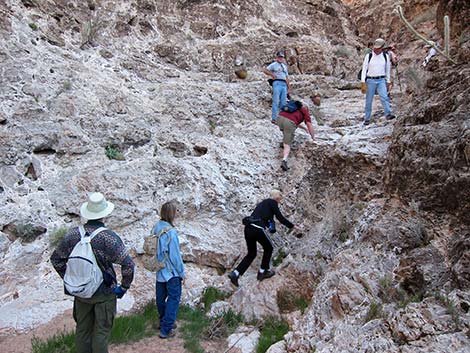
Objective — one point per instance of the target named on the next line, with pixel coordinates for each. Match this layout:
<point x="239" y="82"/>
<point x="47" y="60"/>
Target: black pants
<point x="253" y="235"/>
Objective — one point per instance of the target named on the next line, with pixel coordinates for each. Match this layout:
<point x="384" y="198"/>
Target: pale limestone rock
<point x="279" y="347"/>
<point x="244" y="339"/>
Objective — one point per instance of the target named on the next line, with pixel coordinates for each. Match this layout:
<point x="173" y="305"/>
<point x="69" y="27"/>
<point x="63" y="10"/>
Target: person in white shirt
<point x="278" y="71"/>
<point x="375" y="77"/>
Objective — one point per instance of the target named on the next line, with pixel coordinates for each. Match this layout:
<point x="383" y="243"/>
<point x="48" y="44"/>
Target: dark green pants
<point x="94" y="318"/>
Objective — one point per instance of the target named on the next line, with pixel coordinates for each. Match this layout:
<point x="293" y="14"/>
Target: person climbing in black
<point x="256" y="230"/>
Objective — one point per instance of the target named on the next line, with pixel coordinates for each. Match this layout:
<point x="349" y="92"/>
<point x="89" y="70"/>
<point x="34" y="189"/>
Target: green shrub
<point x="112" y="152"/>
<point x="33" y="26"/>
<point x="132" y="328"/>
<point x="281" y="255"/>
<point x="129" y="328"/>
<point x="272" y="331"/>
<point x="63" y="342"/>
<point x="224" y="325"/>
<point x="342" y="52"/>
<point x="375" y="312"/>
<point x="289" y="301"/>
<point x="56" y="236"/>
<point x="193" y="329"/>
<point x="212" y="295"/>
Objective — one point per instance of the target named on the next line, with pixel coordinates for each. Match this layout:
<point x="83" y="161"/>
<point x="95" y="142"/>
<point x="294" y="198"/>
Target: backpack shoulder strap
<point x="97" y="231"/>
<point x="163" y="231"/>
<point x="370" y="57"/>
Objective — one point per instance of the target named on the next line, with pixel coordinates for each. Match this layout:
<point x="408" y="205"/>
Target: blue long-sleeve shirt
<point x="169" y="244"/>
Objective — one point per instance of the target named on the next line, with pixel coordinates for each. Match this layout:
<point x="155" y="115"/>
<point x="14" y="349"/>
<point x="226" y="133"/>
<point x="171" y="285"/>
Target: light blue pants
<point x="279" y="97"/>
<point x="379" y="85"/>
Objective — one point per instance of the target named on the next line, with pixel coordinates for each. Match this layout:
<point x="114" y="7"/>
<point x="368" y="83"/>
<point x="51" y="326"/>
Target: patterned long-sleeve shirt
<point x="108" y="249"/>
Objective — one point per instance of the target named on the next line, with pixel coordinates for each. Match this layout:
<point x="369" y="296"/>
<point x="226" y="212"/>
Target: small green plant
<point x="375" y="312"/>
<point x="289" y="301"/>
<point x="224" y="325"/>
<point x="56" y="236"/>
<point x="319" y="255"/>
<point x="193" y="329"/>
<point x="63" y="342"/>
<point x="212" y="126"/>
<point x="405" y="298"/>
<point x="212" y="295"/>
<point x="33" y="26"/>
<point x="450" y="307"/>
<point x="36" y="99"/>
<point x="134" y="327"/>
<point x="112" y="152"/>
<point x="281" y="255"/>
<point x="129" y="328"/>
<point x="67" y="85"/>
<point x="272" y="331"/>
<point x="342" y="52"/>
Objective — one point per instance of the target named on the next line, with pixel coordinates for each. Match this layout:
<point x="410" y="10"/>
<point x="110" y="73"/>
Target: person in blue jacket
<point x="171" y="277"/>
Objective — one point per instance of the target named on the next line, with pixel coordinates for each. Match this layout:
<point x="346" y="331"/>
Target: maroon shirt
<point x="298" y="117"/>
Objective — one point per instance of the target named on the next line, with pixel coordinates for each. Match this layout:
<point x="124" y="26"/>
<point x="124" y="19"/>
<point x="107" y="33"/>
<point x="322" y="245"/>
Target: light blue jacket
<point x="169" y="244"/>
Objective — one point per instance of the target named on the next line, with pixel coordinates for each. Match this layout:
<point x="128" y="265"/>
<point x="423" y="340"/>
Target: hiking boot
<point x="169" y="335"/>
<point x="366" y="122"/>
<point x="266" y="274"/>
<point x="390" y="117"/>
<point x="274" y="121"/>
<point x="174" y="326"/>
<point x="281" y="144"/>
<point x="233" y="278"/>
<point x="284" y="166"/>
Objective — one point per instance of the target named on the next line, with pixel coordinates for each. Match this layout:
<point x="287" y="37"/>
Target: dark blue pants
<point x="168" y="301"/>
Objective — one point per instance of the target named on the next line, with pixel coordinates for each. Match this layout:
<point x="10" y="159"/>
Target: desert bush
<point x="375" y="312"/>
<point x="272" y="331"/>
<point x="112" y="152"/>
<point x="288" y="301"/>
<point x="212" y="295"/>
<point x="56" y="236"/>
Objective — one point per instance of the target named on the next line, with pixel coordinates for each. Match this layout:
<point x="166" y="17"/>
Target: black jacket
<point x="265" y="211"/>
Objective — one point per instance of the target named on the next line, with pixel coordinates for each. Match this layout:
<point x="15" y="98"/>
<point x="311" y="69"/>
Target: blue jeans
<point x="379" y="85"/>
<point x="168" y="301"/>
<point x="279" y="97"/>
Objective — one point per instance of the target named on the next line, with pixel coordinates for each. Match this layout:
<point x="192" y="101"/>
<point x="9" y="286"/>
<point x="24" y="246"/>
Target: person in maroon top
<point x="288" y="123"/>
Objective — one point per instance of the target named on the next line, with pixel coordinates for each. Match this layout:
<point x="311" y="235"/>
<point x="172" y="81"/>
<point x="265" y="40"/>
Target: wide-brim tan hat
<point x="379" y="43"/>
<point x="96" y="207"/>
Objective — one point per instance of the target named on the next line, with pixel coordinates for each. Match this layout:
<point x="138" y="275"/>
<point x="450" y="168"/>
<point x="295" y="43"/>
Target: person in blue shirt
<point x="278" y="71"/>
<point x="171" y="277"/>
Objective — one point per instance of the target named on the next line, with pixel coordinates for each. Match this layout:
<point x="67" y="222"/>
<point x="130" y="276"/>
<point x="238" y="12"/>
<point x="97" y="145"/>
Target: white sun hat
<point x="96" y="207"/>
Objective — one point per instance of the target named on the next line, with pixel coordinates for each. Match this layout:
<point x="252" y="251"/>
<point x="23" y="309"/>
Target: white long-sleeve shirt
<point x="377" y="66"/>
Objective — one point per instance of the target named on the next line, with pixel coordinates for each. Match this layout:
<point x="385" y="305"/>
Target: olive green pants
<point x="94" y="318"/>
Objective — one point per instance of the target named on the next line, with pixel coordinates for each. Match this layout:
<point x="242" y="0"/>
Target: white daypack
<point x="83" y="276"/>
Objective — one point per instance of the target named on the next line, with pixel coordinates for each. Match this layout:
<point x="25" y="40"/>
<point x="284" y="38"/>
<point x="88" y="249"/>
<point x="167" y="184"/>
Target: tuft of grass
<point x="406" y="299"/>
<point x="342" y="52"/>
<point x="272" y="331"/>
<point x="450" y="307"/>
<point x="112" y="152"/>
<point x="129" y="328"/>
<point x="62" y="342"/>
<point x="194" y="327"/>
<point x="33" y="26"/>
<point x="224" y="325"/>
<point x="289" y="301"/>
<point x="281" y="255"/>
<point x="67" y="85"/>
<point x="56" y="236"/>
<point x="132" y="328"/>
<point x="212" y="126"/>
<point x="375" y="312"/>
<point x="212" y="295"/>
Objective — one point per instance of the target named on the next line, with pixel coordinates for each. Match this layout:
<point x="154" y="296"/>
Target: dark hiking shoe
<point x="265" y="274"/>
<point x="233" y="278"/>
<point x="174" y="326"/>
<point x="366" y="122"/>
<point x="281" y="144"/>
<point x="171" y="334"/>
<point x="284" y="166"/>
<point x="390" y="117"/>
<point x="274" y="121"/>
